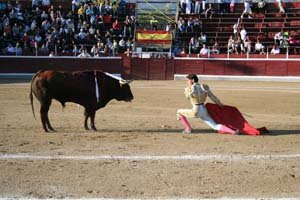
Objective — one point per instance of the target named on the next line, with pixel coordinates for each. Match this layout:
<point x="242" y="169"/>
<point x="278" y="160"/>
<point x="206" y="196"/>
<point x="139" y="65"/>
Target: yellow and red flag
<point x="154" y="38"/>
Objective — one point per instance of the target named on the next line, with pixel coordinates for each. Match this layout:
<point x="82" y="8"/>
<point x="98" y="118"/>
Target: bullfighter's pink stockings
<point x="186" y="124"/>
<point x="225" y="129"/>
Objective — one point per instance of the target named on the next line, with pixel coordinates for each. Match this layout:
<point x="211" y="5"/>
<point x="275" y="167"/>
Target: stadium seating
<point x="262" y="26"/>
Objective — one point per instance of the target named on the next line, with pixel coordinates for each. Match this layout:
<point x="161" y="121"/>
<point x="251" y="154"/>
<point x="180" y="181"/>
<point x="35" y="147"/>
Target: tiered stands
<point x="262" y="26"/>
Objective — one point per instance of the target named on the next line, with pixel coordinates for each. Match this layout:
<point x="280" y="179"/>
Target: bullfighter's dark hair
<point x="192" y="77"/>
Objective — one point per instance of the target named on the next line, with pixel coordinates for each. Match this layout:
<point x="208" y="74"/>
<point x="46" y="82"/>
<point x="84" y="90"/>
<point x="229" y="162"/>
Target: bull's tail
<point x="31" y="96"/>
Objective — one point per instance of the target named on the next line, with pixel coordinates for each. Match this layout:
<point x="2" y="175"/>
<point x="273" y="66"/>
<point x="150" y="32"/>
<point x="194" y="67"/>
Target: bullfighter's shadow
<point x="199" y="131"/>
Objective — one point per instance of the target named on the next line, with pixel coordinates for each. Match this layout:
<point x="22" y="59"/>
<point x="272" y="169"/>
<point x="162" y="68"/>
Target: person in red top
<point x="116" y="27"/>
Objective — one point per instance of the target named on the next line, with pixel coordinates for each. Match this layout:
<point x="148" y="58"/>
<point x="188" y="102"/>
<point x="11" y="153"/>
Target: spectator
<point x="18" y="49"/>
<point x="116" y="26"/>
<point x="35" y="3"/>
<point x="153" y="23"/>
<point x="192" y="45"/>
<point x="44" y="49"/>
<point x="232" y="6"/>
<point x="204" y="50"/>
<point x="10" y="50"/>
<point x="84" y="54"/>
<point x="275" y="50"/>
<point x="168" y="27"/>
<point x="243" y="34"/>
<point x="190" y="25"/>
<point x="227" y="6"/>
<point x="198" y="6"/>
<point x="238" y="46"/>
<point x="230" y="45"/>
<point x="115" y="46"/>
<point x="51" y="54"/>
<point x="177" y="50"/>
<point x="38" y="39"/>
<point x="127" y="32"/>
<point x="182" y="5"/>
<point x="188" y="9"/>
<point x="122" y="45"/>
<point x="247" y="45"/>
<point x="94" y="50"/>
<point x="235" y="29"/>
<point x="281" y="9"/>
<point x="261" y="6"/>
<point x="247" y="9"/>
<point x="278" y="38"/>
<point x="215" y="48"/>
<point x="70" y="26"/>
<point x="181" y="25"/>
<point x="203" y="38"/>
<point x="82" y="36"/>
<point x="221" y="8"/>
<point x="129" y="44"/>
<point x="285" y="39"/>
<point x="259" y="48"/>
<point x="46" y="4"/>
<point x="209" y="11"/>
<point x="75" y="5"/>
<point x="197" y="25"/>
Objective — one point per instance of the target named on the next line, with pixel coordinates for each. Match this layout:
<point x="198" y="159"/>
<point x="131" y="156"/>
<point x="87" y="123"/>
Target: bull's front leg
<point x="86" y="117"/>
<point x="92" y="115"/>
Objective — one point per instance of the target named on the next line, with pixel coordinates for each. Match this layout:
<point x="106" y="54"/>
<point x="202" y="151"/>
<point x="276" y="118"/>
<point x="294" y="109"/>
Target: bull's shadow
<point x="282" y="132"/>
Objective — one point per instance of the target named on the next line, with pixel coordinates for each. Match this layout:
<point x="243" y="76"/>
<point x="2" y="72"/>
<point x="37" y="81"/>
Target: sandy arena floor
<point x="75" y="163"/>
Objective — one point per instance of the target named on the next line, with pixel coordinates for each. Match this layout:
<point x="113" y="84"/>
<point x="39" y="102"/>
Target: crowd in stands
<point x="89" y="27"/>
<point x="240" y="42"/>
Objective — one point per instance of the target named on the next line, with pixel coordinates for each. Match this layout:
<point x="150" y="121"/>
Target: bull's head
<point x="125" y="92"/>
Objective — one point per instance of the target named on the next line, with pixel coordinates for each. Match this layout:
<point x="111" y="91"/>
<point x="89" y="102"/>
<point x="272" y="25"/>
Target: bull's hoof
<point x="51" y="129"/>
<point x="94" y="128"/>
<point x="46" y="130"/>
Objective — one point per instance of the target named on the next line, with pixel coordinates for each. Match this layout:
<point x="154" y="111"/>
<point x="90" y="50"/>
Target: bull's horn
<point x="114" y="76"/>
<point x="122" y="81"/>
<point x="129" y="81"/>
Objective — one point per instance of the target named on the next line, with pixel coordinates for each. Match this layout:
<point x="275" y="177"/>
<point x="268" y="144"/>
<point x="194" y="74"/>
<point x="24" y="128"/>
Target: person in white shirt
<point x="278" y="38"/>
<point x="281" y="9"/>
<point x="247" y="9"/>
<point x="10" y="49"/>
<point x="235" y="29"/>
<point x="51" y="54"/>
<point x="204" y="50"/>
<point x="259" y="47"/>
<point x="198" y="6"/>
<point x="188" y="8"/>
<point x="84" y="54"/>
<point x="275" y="50"/>
<point x="243" y="34"/>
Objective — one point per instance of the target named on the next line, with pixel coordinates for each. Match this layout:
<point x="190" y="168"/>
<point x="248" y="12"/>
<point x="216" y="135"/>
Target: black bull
<point x="78" y="87"/>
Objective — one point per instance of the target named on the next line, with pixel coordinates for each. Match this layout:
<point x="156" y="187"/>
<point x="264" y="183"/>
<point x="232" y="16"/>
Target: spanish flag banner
<point x="154" y="38"/>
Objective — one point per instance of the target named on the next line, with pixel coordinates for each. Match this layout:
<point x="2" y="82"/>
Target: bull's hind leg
<point x="44" y="116"/>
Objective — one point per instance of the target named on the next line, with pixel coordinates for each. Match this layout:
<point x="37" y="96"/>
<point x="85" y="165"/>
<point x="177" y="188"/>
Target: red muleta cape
<point x="232" y="117"/>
